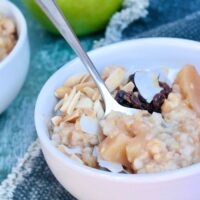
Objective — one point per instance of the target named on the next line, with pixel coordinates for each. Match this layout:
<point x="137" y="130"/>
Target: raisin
<point x="157" y="102"/>
<point x="166" y="89"/>
<point x="135" y="100"/>
<point x="121" y="98"/>
<point x="131" y="78"/>
<point x="141" y="98"/>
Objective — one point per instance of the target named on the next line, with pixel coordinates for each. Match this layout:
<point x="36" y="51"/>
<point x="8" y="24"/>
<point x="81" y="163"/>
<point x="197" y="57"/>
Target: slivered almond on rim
<point x="73" y="103"/>
<point x="56" y="120"/>
<point x="85" y="78"/>
<point x="115" y="79"/>
<point x="61" y="91"/>
<point x="73" y="117"/>
<point x="107" y="71"/>
<point x="74" y="80"/>
<point x="90" y="84"/>
<point x="68" y="100"/>
<point x="88" y="91"/>
<point x="59" y="104"/>
<point x="98" y="108"/>
<point x="96" y="95"/>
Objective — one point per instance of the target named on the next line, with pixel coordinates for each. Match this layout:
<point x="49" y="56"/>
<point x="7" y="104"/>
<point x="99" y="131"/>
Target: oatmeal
<point x="164" y="134"/>
<point x="8" y="36"/>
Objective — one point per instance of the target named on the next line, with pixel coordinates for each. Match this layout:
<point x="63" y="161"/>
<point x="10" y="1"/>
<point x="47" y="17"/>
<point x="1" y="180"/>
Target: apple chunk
<point x="113" y="148"/>
<point x="188" y="80"/>
<point x="135" y="147"/>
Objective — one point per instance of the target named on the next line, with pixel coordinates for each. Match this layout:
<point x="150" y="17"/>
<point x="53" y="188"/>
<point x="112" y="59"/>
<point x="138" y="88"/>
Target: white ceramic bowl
<point x="90" y="184"/>
<point x="14" y="67"/>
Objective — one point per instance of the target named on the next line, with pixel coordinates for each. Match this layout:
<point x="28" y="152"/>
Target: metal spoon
<point x="56" y="16"/>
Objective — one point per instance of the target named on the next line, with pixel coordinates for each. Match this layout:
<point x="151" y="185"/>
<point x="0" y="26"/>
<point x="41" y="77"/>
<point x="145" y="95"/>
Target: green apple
<point x="85" y="16"/>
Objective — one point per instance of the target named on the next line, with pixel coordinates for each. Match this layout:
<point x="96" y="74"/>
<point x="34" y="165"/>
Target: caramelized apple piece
<point x="188" y="80"/>
<point x="113" y="148"/>
<point x="135" y="147"/>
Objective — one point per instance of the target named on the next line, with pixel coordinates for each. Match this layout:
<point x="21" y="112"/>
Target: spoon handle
<point x="56" y="16"/>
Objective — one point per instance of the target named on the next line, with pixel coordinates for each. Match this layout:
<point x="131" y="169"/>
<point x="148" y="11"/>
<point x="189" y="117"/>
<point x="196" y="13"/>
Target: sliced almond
<point x="90" y="84"/>
<point x="98" y="108"/>
<point x="96" y="95"/>
<point x="84" y="102"/>
<point x="85" y="78"/>
<point x="74" y="80"/>
<point x="107" y="71"/>
<point x="68" y="100"/>
<point x="73" y="103"/>
<point x="115" y="79"/>
<point x="73" y="117"/>
<point x="89" y="91"/>
<point x="56" y="120"/>
<point x="61" y="91"/>
<point x="128" y="87"/>
<point x="59" y="104"/>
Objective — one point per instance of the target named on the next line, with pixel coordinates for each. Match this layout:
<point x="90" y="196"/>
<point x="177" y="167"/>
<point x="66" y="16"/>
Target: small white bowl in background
<point x="86" y="183"/>
<point x="14" y="67"/>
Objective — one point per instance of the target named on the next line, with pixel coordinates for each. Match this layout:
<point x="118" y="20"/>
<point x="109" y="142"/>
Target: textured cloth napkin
<point x="172" y="18"/>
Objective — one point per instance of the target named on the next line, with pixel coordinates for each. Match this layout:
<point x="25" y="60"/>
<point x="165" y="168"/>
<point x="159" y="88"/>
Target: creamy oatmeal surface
<point x="8" y="36"/>
<point x="155" y="139"/>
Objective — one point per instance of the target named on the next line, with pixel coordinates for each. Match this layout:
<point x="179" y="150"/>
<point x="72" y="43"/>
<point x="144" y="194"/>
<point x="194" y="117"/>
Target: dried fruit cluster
<point x="135" y="100"/>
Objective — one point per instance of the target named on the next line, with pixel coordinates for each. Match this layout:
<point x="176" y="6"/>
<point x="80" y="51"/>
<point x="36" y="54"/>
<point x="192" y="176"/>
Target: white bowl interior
<point x="134" y="54"/>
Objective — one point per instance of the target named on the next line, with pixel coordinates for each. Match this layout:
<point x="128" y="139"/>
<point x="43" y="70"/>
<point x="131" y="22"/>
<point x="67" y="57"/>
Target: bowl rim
<point x="89" y="171"/>
<point x="21" y="35"/>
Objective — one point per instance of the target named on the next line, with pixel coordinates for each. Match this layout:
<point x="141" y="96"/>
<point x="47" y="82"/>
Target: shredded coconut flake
<point x="111" y="166"/>
<point x="89" y="125"/>
<point x="147" y="84"/>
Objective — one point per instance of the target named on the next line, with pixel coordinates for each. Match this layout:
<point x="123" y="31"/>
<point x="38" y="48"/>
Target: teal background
<point x="48" y="53"/>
